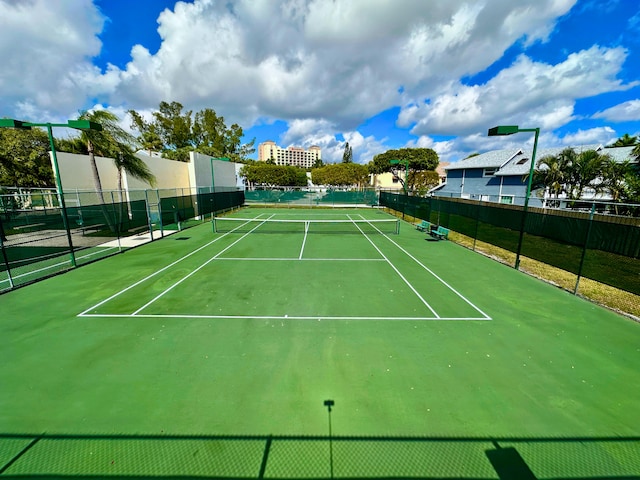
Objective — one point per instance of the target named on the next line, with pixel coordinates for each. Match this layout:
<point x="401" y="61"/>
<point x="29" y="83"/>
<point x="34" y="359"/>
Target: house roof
<point x="493" y="159"/>
<point x="619" y="154"/>
<point x="518" y="162"/>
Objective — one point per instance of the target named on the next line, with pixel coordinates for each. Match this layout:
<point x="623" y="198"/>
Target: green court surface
<point x="211" y="354"/>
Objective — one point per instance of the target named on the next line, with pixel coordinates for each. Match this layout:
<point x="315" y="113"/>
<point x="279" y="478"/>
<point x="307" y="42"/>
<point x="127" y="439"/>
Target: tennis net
<point x="315" y="226"/>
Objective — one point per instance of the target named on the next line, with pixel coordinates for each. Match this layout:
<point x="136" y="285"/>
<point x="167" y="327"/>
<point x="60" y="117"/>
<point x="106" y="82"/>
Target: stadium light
<point x="78" y="125"/>
<point x="502" y="130"/>
<point x="395" y="161"/>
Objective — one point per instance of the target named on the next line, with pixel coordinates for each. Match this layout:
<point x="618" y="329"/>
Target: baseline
<point x="280" y="317"/>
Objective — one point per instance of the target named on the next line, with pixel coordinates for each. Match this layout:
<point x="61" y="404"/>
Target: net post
<point x="398" y="226"/>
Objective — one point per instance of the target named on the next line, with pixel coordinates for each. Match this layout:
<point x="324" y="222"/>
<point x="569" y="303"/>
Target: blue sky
<point x="378" y="74"/>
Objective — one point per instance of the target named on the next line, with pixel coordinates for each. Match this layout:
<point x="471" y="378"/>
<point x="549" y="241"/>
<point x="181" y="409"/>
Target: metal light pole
<point x="395" y="161"/>
<point x="78" y="125"/>
<point x="510" y="130"/>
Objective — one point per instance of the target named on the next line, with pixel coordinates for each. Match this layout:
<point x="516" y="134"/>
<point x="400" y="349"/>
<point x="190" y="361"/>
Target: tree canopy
<point x="419" y="159"/>
<point x="340" y="174"/>
<point x="625" y="140"/>
<point x="24" y="158"/>
<point x="262" y="173"/>
<point x="347" y="155"/>
<point x="175" y="133"/>
<point x="571" y="173"/>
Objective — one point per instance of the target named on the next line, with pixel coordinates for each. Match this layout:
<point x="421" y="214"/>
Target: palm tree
<point x="585" y="171"/>
<point x="112" y="141"/>
<point x="614" y="178"/>
<point x="552" y="171"/>
<point x="625" y="141"/>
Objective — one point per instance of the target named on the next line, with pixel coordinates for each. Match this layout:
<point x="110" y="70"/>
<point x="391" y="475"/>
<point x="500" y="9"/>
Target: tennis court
<point x="339" y="265"/>
<point x="210" y="352"/>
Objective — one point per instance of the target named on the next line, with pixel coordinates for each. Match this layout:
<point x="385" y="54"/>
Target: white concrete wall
<point x="169" y="173"/>
<point x="200" y="171"/>
<point x="75" y="172"/>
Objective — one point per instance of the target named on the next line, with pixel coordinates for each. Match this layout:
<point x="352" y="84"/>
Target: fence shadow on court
<point x="304" y="457"/>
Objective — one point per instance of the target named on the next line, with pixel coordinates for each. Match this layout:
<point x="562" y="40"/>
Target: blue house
<point x="501" y="175"/>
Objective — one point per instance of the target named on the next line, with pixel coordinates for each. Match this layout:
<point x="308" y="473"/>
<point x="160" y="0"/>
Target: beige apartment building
<point x="295" y="156"/>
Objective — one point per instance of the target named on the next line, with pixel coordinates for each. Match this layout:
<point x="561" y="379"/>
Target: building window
<point x="489" y="172"/>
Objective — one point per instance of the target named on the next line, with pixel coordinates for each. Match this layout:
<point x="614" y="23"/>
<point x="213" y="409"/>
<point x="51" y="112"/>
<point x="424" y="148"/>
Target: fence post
<point x="160" y="213"/>
<point x="148" y="205"/>
<point x="475" y="234"/>
<point x="117" y="210"/>
<point x="584" y="247"/>
<point x="4" y="254"/>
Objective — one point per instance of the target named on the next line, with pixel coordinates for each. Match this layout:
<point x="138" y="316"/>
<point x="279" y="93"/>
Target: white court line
<point x="197" y="269"/>
<point x="486" y="317"/>
<point x="57" y="264"/>
<point x="291" y="259"/>
<point x="82" y="314"/>
<point x="394" y="267"/>
<point x="304" y="240"/>
<point x="274" y="317"/>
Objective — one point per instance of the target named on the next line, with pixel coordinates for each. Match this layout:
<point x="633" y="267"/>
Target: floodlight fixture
<point x="77" y="124"/>
<point x="510" y="130"/>
<point x="503" y="130"/>
<point x="84" y="125"/>
<point x="11" y="123"/>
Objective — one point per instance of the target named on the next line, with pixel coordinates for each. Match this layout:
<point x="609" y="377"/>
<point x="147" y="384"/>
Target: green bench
<point x="85" y="228"/>
<point x="440" y="233"/>
<point x="424" y="226"/>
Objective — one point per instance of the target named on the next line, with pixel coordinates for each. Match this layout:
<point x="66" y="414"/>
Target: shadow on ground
<point x="60" y="456"/>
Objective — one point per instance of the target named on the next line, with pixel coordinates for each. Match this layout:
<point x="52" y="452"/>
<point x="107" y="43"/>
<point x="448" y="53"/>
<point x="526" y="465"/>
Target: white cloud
<point x="323" y="66"/>
<point x="599" y="135"/>
<point x="624" y="112"/>
<point x="527" y="92"/>
<point x="322" y="133"/>
<point x="45" y="47"/>
<point x="340" y="59"/>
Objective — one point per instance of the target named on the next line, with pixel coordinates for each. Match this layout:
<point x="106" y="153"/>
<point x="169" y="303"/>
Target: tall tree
<point x="420" y="159"/>
<point x="260" y="173"/>
<point x="341" y="174"/>
<point x="347" y="155"/>
<point x="24" y="158"/>
<point x="113" y="142"/>
<point x="149" y="138"/>
<point x="176" y="133"/>
<point x="625" y="140"/>
<point x="614" y="178"/>
<point x="586" y="170"/>
<point x="552" y="172"/>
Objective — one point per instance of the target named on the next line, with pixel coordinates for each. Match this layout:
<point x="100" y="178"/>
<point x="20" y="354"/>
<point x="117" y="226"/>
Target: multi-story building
<point x="295" y="156"/>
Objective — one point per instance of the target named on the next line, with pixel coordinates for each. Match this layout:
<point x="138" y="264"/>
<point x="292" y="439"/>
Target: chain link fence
<point x="40" y="238"/>
<point x="243" y="457"/>
<point x="597" y="241"/>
